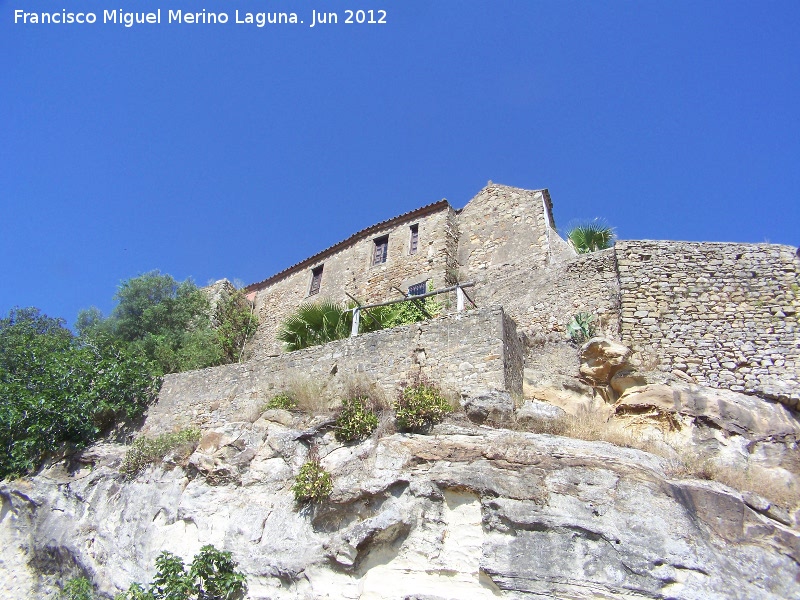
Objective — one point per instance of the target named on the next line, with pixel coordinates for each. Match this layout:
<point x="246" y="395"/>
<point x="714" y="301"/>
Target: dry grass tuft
<point x="772" y="486"/>
<point x="592" y="426"/>
<point x="309" y="395"/>
<point x="360" y="386"/>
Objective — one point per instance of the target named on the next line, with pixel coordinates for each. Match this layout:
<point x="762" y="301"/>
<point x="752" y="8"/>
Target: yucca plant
<point x="315" y="323"/>
<point x="591" y="236"/>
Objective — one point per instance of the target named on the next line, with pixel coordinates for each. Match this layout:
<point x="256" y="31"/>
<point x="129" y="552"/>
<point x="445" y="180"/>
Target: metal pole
<point x="356" y="315"/>
<point x="459" y="299"/>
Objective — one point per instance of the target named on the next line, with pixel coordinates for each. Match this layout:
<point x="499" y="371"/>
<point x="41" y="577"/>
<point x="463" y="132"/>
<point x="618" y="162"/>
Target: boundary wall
<point x="726" y="314"/>
<point x="475" y="350"/>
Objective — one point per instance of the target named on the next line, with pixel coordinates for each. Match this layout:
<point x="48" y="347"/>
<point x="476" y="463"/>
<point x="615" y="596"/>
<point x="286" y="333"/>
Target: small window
<point x="316" y="280"/>
<point x="381" y="250"/>
<point x="412" y="248"/>
<point x="418" y="289"/>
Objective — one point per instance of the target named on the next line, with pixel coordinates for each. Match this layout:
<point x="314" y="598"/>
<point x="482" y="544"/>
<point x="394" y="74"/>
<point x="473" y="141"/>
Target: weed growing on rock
<point x="313" y="483"/>
<point x="147" y="451"/>
<point x="77" y="588"/>
<point x="356" y="421"/>
<point x="310" y="395"/>
<point x="419" y="406"/>
<point x="282" y="400"/>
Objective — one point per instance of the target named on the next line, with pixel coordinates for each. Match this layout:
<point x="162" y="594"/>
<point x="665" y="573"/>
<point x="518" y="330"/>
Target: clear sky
<point x="233" y="151"/>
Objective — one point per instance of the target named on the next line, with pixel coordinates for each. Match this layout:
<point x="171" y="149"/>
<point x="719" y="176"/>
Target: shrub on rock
<point x="420" y="406"/>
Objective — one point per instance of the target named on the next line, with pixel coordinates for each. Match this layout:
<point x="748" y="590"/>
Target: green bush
<point x="211" y="576"/>
<point x="77" y="588"/>
<point x="420" y="406"/>
<point x="147" y="451"/>
<point x="356" y="421"/>
<point x="59" y="392"/>
<point x="282" y="400"/>
<point x="581" y="327"/>
<point x="312" y="484"/>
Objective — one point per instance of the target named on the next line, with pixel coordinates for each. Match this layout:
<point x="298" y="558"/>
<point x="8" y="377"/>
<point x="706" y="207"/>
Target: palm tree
<point x="591" y="236"/>
<point x="315" y="323"/>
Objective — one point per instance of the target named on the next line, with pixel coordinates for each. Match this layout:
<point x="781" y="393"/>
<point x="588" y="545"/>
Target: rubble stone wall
<point x="474" y="350"/>
<point x="726" y="314"/>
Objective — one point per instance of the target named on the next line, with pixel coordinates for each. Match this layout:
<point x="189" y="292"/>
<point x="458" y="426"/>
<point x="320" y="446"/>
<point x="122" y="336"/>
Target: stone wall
<point x="473" y="350"/>
<point x="503" y="227"/>
<point x="350" y="270"/>
<point x="726" y="314"/>
<point x="543" y="299"/>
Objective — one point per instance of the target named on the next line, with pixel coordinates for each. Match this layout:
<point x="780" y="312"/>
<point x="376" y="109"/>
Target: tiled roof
<point x="419" y="212"/>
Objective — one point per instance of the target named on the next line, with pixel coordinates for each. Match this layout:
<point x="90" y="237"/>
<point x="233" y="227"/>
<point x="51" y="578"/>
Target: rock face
<point x="466" y="512"/>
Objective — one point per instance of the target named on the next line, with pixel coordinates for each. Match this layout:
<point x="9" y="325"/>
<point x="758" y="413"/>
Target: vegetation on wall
<point x="60" y="392"/>
<point x="591" y="236"/>
<point x="211" y="576"/>
<point x="581" y="327"/>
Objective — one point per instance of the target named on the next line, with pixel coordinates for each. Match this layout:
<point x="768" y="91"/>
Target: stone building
<point x="501" y="229"/>
<point x="726" y="315"/>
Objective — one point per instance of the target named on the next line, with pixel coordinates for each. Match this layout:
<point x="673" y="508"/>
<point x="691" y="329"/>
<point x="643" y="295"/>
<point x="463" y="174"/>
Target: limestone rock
<point x="467" y="512"/>
<point x="536" y="411"/>
<point x="734" y="412"/>
<point x="601" y="358"/>
<point x="492" y="406"/>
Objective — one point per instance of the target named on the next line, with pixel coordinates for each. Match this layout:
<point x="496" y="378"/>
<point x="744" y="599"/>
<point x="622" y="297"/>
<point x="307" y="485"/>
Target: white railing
<point x="461" y="297"/>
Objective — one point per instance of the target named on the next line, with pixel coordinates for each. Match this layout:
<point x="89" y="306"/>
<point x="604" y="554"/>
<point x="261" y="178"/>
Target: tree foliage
<point x="58" y="391"/>
<point x="211" y="576"/>
<point x="236" y="324"/>
<point x="591" y="236"/>
<point x="170" y="322"/>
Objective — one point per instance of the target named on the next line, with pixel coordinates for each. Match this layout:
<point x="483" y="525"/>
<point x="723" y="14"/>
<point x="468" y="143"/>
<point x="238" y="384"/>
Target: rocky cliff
<point x="695" y="498"/>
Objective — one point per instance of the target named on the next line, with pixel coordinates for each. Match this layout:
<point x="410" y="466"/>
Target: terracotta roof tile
<point x="419" y="212"/>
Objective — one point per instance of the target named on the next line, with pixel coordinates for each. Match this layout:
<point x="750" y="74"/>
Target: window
<point x="316" y="280"/>
<point x="418" y="289"/>
<point x="381" y="250"/>
<point x="412" y="248"/>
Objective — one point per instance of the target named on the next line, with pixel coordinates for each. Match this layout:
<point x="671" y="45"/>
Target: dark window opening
<point x="316" y="280"/>
<point x="418" y="289"/>
<point x="381" y="250"/>
<point x="412" y="248"/>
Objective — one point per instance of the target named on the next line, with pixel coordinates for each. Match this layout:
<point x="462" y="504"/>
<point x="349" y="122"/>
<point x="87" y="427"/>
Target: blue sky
<point x="234" y="151"/>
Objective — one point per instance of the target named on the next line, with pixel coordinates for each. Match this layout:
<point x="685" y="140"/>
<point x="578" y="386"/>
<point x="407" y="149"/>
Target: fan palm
<point x="591" y="236"/>
<point x="315" y="323"/>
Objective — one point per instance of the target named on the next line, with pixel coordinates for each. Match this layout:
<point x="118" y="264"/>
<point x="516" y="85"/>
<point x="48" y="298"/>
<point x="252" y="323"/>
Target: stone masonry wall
<point x="350" y="270"/>
<point x="726" y="314"/>
<point x="543" y="300"/>
<point x="503" y="226"/>
<point x="476" y="349"/>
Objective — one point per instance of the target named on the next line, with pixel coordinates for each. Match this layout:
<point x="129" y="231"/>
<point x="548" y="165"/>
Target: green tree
<point x="315" y="323"/>
<point x="591" y="236"/>
<point x="58" y="391"/>
<point x="236" y="323"/>
<point x="170" y="322"/>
